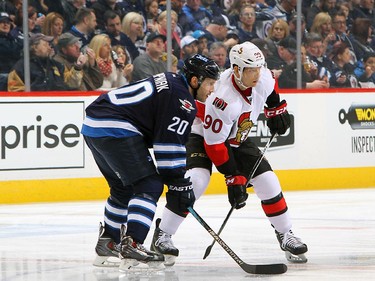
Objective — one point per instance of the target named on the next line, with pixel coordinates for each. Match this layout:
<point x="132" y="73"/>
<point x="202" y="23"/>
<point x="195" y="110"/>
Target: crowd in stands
<point x="105" y="44"/>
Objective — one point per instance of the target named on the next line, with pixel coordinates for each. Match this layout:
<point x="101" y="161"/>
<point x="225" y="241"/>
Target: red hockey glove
<point x="237" y="194"/>
<point x="278" y="119"/>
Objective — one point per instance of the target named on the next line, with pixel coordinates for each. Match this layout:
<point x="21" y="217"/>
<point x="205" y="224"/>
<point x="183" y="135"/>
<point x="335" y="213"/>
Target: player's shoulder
<point x="267" y="75"/>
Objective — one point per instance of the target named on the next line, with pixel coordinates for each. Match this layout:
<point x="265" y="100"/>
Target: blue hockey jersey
<point x="160" y="108"/>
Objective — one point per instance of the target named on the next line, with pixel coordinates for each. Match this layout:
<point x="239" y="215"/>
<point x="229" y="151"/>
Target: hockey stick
<point x="257" y="163"/>
<point x="277" y="268"/>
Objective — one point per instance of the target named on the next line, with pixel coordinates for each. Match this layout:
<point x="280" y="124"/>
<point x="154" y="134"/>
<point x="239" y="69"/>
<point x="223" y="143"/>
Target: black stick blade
<point x="208" y="251"/>
<point x="277" y="268"/>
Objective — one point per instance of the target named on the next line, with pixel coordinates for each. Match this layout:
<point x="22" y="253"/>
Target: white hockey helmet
<point x="246" y="55"/>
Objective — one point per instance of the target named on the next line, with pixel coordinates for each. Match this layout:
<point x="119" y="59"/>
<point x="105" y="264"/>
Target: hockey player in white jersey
<point x="220" y="136"/>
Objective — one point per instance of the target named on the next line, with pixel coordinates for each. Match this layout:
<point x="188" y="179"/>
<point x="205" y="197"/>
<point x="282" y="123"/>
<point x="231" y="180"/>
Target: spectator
<point x="315" y="50"/>
<point x="361" y="32"/>
<point x="322" y="25"/>
<point x="123" y="61"/>
<point x="17" y="31"/>
<point x="113" y="76"/>
<point x="340" y="28"/>
<point x="234" y="10"/>
<point x="293" y="26"/>
<point x="346" y="8"/>
<point x="284" y="55"/>
<point x="40" y="6"/>
<point x="152" y="13"/>
<point x="189" y="47"/>
<point x="278" y="30"/>
<point x="246" y="24"/>
<point x="70" y="9"/>
<point x="136" y="6"/>
<point x="365" y="10"/>
<point x="284" y="9"/>
<point x="85" y="24"/>
<point x="132" y="26"/>
<point x="100" y="7"/>
<point x="217" y="30"/>
<point x="150" y="63"/>
<point x="53" y="26"/>
<point x="219" y="54"/>
<point x="342" y="71"/>
<point x="46" y="74"/>
<point x="367" y="71"/>
<point x="10" y="8"/>
<point x="82" y="68"/>
<point x="201" y="36"/>
<point x="176" y="49"/>
<point x="113" y="30"/>
<point x="323" y="6"/>
<point x="213" y="7"/>
<point x="10" y="49"/>
<point x="193" y="17"/>
<point x="288" y="77"/>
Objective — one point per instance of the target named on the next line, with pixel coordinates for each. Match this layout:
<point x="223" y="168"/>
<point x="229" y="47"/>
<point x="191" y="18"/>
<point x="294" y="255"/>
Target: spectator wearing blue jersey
<point x="193" y="17"/>
<point x="119" y="128"/>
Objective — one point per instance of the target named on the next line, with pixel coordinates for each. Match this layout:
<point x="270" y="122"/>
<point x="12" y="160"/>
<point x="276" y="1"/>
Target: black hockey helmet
<point x="202" y="67"/>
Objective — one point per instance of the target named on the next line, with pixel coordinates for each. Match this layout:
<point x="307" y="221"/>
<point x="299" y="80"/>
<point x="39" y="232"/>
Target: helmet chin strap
<point x="239" y="80"/>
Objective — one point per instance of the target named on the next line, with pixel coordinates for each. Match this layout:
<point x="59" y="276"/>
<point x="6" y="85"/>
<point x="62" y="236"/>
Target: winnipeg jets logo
<point x="186" y="105"/>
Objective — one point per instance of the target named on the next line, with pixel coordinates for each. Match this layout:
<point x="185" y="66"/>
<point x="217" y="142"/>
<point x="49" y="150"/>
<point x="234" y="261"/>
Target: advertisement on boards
<point x="41" y="135"/>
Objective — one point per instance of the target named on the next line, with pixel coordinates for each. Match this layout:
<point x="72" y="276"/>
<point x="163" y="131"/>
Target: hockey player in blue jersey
<point x="119" y="128"/>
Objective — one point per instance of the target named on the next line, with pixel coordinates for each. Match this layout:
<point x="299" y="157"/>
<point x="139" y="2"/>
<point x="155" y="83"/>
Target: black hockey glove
<point x="237" y="194"/>
<point x="278" y="119"/>
<point x="180" y="195"/>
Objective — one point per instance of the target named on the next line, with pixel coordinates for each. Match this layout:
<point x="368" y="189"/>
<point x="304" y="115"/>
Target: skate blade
<point x="295" y="258"/>
<point x="169" y="260"/>
<point x="105" y="261"/>
<point x="134" y="266"/>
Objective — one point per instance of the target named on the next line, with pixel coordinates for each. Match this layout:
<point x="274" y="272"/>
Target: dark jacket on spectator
<point x="288" y="78"/>
<point x="46" y="74"/>
<point x="10" y="52"/>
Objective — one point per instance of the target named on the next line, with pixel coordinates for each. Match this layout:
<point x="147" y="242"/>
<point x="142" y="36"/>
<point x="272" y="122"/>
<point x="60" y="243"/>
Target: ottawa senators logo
<point x="219" y="103"/>
<point x="244" y="127"/>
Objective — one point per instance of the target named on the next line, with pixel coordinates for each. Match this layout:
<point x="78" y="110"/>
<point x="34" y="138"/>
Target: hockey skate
<point x="292" y="246"/>
<point x="134" y="256"/>
<point x="162" y="243"/>
<point x="107" y="250"/>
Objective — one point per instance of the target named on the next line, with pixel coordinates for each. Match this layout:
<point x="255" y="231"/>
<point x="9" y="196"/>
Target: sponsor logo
<point x="260" y="134"/>
<point x="35" y="136"/>
<point x="359" y="116"/>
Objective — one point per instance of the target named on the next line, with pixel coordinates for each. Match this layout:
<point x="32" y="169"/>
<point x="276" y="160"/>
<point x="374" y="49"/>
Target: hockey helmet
<point x="244" y="55"/>
<point x="202" y="67"/>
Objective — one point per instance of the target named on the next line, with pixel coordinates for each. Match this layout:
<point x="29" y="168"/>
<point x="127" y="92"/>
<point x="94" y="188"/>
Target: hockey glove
<point x="180" y="195"/>
<point x="237" y="194"/>
<point x="278" y="119"/>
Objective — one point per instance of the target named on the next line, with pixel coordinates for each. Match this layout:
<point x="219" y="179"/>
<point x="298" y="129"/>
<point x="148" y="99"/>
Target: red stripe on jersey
<point x="218" y="153"/>
<point x="200" y="109"/>
<point x="276" y="208"/>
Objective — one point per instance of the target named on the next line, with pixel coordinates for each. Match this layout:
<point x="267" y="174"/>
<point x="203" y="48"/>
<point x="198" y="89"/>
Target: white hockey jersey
<point x="229" y="114"/>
